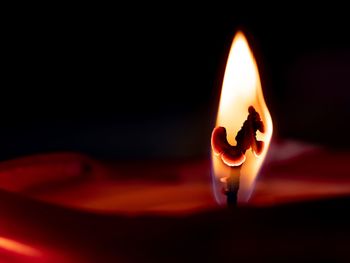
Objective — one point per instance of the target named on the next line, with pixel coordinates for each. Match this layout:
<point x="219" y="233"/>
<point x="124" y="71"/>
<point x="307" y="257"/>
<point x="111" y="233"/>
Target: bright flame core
<point x="242" y="88"/>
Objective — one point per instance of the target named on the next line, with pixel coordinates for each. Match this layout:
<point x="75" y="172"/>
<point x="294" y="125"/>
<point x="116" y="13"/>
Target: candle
<point x="72" y="208"/>
<point x="99" y="213"/>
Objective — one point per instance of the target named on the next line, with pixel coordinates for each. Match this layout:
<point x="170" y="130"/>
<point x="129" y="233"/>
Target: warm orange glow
<point x="242" y="88"/>
<point x="18" y="248"/>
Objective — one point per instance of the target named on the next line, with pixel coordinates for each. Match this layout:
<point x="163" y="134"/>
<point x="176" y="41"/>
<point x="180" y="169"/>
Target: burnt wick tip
<point x="234" y="156"/>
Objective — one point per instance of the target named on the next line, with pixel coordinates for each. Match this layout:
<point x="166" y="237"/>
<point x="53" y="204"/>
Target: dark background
<point x="143" y="81"/>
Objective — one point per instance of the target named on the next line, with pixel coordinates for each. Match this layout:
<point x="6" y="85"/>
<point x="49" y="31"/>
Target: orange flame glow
<point x="18" y="248"/>
<point x="242" y="88"/>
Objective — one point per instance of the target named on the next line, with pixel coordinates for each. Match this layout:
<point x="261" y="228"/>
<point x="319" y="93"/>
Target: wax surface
<point x="67" y="207"/>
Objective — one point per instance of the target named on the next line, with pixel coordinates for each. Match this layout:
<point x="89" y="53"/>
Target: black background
<point x="143" y="81"/>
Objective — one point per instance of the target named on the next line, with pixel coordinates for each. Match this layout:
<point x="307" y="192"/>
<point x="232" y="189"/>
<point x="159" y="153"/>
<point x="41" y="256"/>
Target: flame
<point x="241" y="88"/>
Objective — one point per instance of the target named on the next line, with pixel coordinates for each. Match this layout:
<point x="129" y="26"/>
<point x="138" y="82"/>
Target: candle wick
<point x="232" y="186"/>
<point x="234" y="156"/>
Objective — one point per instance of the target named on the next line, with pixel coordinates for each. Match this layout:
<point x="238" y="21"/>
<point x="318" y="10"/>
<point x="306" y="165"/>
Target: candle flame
<point x="241" y="89"/>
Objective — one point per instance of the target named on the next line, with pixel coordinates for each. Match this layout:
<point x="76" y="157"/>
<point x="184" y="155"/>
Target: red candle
<point x="66" y="207"/>
<point x="85" y="210"/>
